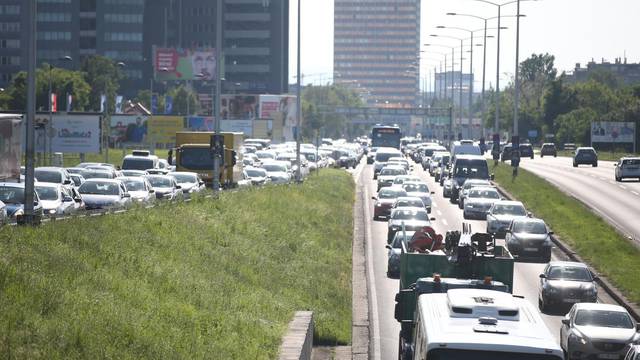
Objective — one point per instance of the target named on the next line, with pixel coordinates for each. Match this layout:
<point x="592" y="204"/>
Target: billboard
<point x="128" y="129"/>
<point x="239" y="107"/>
<point x="184" y="64"/>
<point x="68" y="133"/>
<point x="10" y="146"/>
<point x="162" y="129"/>
<point x="613" y="132"/>
<point x="206" y="123"/>
<point x="282" y="110"/>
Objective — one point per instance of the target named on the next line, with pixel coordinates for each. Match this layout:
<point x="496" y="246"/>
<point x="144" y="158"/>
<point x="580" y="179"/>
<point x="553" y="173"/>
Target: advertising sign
<point x="68" y="133"/>
<point x="283" y="114"/>
<point x="128" y="129"/>
<point x="206" y="123"/>
<point x="163" y="129"/>
<point x="613" y="132"/>
<point x="10" y="146"/>
<point x="184" y="64"/>
<point x="239" y="107"/>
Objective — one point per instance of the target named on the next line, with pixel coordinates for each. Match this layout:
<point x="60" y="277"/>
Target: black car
<point x="586" y="156"/>
<point x="564" y="283"/>
<point x="529" y="238"/>
<point x="548" y="149"/>
<point x="526" y="150"/>
<point x="507" y="152"/>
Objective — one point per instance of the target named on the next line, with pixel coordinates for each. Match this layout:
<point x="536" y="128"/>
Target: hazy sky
<point x="575" y="31"/>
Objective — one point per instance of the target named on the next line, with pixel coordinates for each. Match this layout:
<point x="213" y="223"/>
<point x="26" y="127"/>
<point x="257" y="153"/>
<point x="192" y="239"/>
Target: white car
<point x="501" y="214"/>
<point x="277" y="172"/>
<point x="627" y="167"/>
<point x="3" y="213"/>
<point x="190" y="182"/>
<point x="419" y="190"/>
<point x="140" y="189"/>
<point x="55" y="199"/>
<point x="478" y="202"/>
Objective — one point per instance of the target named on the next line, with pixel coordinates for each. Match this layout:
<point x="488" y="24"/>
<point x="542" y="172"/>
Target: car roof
<point x="568" y="263"/>
<point x="508" y="202"/>
<point x="114" y="181"/>
<point x="408" y="198"/>
<point x="586" y="148"/>
<point x="529" y="220"/>
<point x="469" y="157"/>
<point x="50" y="168"/>
<point x="600" y="306"/>
<point x="48" y="184"/>
<point x="483" y="188"/>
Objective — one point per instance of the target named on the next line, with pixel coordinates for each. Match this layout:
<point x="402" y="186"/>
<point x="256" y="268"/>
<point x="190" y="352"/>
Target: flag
<point x="69" y="102"/>
<point x="54" y="102"/>
<point x="119" y="99"/>
<point x="154" y="104"/>
<point x="103" y="103"/>
<point x="168" y="105"/>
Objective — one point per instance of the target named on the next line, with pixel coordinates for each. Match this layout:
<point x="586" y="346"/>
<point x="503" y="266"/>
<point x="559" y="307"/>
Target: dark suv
<point x="526" y="150"/>
<point x="585" y="155"/>
<point x="548" y="149"/>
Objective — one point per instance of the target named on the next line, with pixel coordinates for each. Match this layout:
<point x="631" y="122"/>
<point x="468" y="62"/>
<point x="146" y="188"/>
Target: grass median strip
<point x="206" y="279"/>
<point x="588" y="234"/>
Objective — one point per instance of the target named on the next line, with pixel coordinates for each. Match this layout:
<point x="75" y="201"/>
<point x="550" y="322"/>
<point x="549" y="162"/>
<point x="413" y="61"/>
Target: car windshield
<point x="484" y="194"/>
<point x="384" y="157"/>
<point x="98" y="188"/>
<point x="391" y="193"/>
<point x="74" y="170"/>
<point x="11" y="195"/>
<point x="391" y="172"/>
<point x="604" y="318"/>
<point x="185" y="178"/>
<point x="410" y="203"/>
<point x="48" y="176"/>
<point x="631" y="162"/>
<point x="159" y="181"/>
<point x="310" y="157"/>
<point x="89" y="174"/>
<point x="416" y="188"/>
<point x="476" y="169"/>
<point x="47" y="193"/>
<point x="138" y="164"/>
<point x="256" y="173"/>
<point x="530" y="227"/>
<point x="275" y="168"/>
<point x="265" y="155"/>
<point x="586" y="152"/>
<point x="454" y="354"/>
<point x="575" y="273"/>
<point x="410" y="215"/>
<point x="134" y="185"/>
<point x="516" y="210"/>
<point x="401" y="180"/>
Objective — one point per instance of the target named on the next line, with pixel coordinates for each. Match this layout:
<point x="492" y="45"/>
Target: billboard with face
<point x="10" y="146"/>
<point x="184" y="64"/>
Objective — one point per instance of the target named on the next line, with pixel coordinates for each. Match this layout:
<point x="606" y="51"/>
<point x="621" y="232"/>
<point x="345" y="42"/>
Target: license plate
<point x="571" y="300"/>
<point x="531" y="249"/>
<point x="608" y="356"/>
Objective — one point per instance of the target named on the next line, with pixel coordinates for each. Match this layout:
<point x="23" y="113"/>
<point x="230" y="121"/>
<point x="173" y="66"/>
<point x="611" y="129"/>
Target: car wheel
<point x="575" y="165"/>
<point x="532" y="156"/>
<point x="460" y="205"/>
<point x="555" y="155"/>
<point x="465" y="216"/>
<point x="595" y="164"/>
<point x="541" y="156"/>
<point x="618" y="179"/>
<point x="547" y="256"/>
<point x="541" y="305"/>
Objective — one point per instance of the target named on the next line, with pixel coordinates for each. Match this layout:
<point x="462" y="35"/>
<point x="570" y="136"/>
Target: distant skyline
<point x="574" y="31"/>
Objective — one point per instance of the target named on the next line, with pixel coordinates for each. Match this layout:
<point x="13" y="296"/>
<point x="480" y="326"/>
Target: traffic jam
<point x="456" y="297"/>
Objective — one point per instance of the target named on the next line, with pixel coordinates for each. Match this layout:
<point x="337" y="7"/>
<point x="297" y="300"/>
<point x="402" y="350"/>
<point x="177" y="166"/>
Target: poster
<point x="283" y="114"/>
<point x="68" y="133"/>
<point x="184" y="64"/>
<point x="613" y="132"/>
<point x="206" y="123"/>
<point x="10" y="146"/>
<point x="239" y="107"/>
<point x="128" y="129"/>
<point x="163" y="129"/>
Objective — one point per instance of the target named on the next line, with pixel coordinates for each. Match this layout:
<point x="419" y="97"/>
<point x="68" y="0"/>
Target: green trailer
<point x="467" y="261"/>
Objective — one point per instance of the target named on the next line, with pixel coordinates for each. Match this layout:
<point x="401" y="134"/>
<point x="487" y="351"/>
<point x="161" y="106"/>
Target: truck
<point x="193" y="153"/>
<point x="465" y="260"/>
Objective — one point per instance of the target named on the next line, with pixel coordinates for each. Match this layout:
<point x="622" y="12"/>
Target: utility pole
<point x="516" y="101"/>
<point x="217" y="105"/>
<point x="29" y="188"/>
<point x="298" y="105"/>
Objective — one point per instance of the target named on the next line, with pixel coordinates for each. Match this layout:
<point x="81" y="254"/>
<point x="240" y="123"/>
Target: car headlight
<point x="469" y="206"/>
<point x="577" y="338"/>
<point x="52" y="211"/>
<point x="19" y="213"/>
<point x="549" y="290"/>
<point x="378" y="205"/>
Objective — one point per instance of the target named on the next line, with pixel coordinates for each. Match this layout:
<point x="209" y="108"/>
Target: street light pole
<point x="298" y="104"/>
<point x="218" y="88"/>
<point x="516" y="101"/>
<point x="29" y="188"/>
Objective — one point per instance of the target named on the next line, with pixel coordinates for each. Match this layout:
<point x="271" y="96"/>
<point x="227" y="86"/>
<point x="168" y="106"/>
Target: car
<point x="277" y="172"/>
<point x="401" y="179"/>
<point x="400" y="161"/>
<point x="265" y="155"/>
<point x="52" y="174"/>
<point x="585" y="156"/>
<point x="166" y="187"/>
<point x="633" y="353"/>
<point x="467" y="185"/>
<point x="395" y="249"/>
<point x="190" y="182"/>
<point x="388" y="174"/>
<point x="501" y="214"/>
<point x="98" y="174"/>
<point x="566" y="283"/>
<point x="408" y="202"/>
<point x="105" y="194"/>
<point x="526" y="150"/>
<point x="133" y="173"/>
<point x="529" y="237"/>
<point x="384" y="201"/>
<point x="597" y="331"/>
<point x="548" y="149"/>
<point x="3" y="214"/>
<point x="141" y="160"/>
<point x="77" y="179"/>
<point x="257" y="176"/>
<point x="436" y="159"/>
<point x="12" y="195"/>
<point x="467" y="167"/>
<point x="371" y="155"/>
<point x="56" y="199"/>
<point x="407" y="219"/>
<point x="140" y="189"/>
<point x="382" y="158"/>
<point x="507" y="152"/>
<point x="627" y="167"/>
<point x="447" y="186"/>
<point x="478" y="202"/>
<point x="420" y="190"/>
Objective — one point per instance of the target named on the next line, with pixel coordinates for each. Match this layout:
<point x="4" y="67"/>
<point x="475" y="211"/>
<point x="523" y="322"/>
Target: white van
<point x="382" y="157"/>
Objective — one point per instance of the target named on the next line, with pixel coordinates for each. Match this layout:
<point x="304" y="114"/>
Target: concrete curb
<point x="360" y="340"/>
<point x="297" y="343"/>
<point x="603" y="282"/>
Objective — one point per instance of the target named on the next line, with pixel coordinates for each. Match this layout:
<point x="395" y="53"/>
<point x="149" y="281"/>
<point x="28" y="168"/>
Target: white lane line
<point x="612" y="182"/>
<point x="444" y="221"/>
<point x="622" y="187"/>
<point x="635" y="193"/>
<point x="375" y="321"/>
<point x="439" y="212"/>
<point x="435" y="205"/>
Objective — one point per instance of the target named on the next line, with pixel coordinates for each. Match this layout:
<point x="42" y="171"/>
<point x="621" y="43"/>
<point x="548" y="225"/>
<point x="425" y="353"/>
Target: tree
<point x="575" y="126"/>
<point x="558" y="99"/>
<point x="144" y="97"/>
<point x="314" y="98"/>
<point x="185" y="100"/>
<point x="104" y="77"/>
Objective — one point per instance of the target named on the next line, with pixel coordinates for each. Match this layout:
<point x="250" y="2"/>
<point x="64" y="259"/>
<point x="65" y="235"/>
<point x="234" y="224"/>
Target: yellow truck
<point x="193" y="153"/>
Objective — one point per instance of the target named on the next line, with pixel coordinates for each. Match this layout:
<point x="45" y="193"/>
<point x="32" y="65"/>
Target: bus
<point x="481" y="325"/>
<point x="386" y="136"/>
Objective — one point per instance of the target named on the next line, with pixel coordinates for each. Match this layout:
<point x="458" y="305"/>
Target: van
<point x="382" y="157"/>
<point x="140" y="160"/>
<point x="464" y="147"/>
<point x="467" y="167"/>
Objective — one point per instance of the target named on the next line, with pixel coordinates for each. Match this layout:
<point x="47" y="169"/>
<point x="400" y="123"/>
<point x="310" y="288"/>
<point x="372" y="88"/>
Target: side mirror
<point x="388" y="247"/>
<point x="78" y="200"/>
<point x="433" y="193"/>
<point x="67" y="199"/>
<point x="566" y="322"/>
<point x="178" y="187"/>
<point x="67" y="182"/>
<point x="374" y="198"/>
<point x="543" y="276"/>
<point x="126" y="195"/>
<point x="152" y="191"/>
<point x="637" y="327"/>
<point x="492" y="177"/>
<point x="432" y="219"/>
<point x="201" y="182"/>
<point x="551" y="233"/>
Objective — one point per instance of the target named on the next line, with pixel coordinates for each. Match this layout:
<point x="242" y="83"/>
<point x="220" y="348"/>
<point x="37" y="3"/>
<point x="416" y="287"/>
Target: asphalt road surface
<point x="617" y="202"/>
<point x="448" y="217"/>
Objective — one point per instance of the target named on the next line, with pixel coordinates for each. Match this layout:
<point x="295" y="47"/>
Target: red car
<point x="385" y="200"/>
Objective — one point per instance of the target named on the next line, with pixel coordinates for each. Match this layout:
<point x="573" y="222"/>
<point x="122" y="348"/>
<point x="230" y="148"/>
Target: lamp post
<point x="49" y="134"/>
<point x="298" y="103"/>
<point x="29" y="188"/>
<point x="107" y="119"/>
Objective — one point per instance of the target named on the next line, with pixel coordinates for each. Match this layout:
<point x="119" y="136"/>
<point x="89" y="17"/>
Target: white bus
<point x="480" y="325"/>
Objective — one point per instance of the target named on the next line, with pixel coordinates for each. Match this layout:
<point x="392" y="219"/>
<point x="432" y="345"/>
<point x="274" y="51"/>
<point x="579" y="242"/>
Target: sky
<point x="574" y="31"/>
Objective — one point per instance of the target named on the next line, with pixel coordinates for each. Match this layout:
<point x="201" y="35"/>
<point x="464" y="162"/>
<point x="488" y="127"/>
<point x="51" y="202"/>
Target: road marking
<point x="444" y="222"/>
<point x="622" y="187"/>
<point x="439" y="212"/>
<point x="435" y="205"/>
<point x="375" y="321"/>
<point x="635" y="193"/>
<point x="612" y="182"/>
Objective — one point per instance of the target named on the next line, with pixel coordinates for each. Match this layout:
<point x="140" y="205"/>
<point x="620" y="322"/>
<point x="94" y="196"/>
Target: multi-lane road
<point x="385" y="329"/>
<point x="617" y="202"/>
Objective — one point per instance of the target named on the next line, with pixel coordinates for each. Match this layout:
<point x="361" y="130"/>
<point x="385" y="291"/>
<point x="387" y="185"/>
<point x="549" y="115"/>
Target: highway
<point x="617" y="202"/>
<point x="448" y="217"/>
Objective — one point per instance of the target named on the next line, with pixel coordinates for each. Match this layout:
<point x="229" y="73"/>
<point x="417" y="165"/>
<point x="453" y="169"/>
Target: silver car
<point x="419" y="190"/>
<point x="55" y="199"/>
<point x="105" y="194"/>
<point x="468" y="184"/>
<point x="597" y="331"/>
<point x="393" y="255"/>
<point x="529" y="238"/>
<point x="140" y="189"/>
<point x="564" y="283"/>
<point x="478" y="202"/>
<point x="501" y="214"/>
<point x="628" y="168"/>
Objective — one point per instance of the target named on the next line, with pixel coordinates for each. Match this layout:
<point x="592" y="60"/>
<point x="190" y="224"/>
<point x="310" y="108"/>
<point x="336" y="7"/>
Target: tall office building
<point x="256" y="38"/>
<point x="376" y="47"/>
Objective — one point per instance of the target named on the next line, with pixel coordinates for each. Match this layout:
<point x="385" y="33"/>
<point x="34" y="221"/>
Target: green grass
<point x="207" y="279"/>
<point x="115" y="157"/>
<point x="588" y="234"/>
